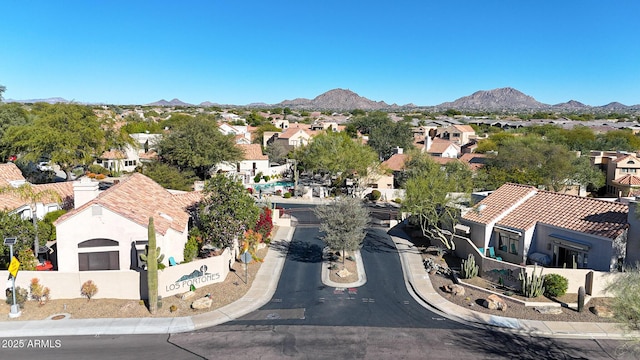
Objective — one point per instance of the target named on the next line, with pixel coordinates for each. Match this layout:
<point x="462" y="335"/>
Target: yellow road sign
<point x="13" y="266"/>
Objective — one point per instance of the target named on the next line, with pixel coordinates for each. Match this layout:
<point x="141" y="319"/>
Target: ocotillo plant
<point x="152" y="269"/>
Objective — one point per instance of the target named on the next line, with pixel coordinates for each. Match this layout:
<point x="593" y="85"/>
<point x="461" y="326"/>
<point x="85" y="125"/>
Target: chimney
<point x="84" y="191"/>
<point x="399" y="150"/>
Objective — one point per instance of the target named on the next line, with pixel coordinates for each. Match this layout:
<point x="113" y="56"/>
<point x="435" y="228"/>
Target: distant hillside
<point x="53" y="100"/>
<point x="497" y="99"/>
<point x="174" y="102"/>
<point x="336" y="99"/>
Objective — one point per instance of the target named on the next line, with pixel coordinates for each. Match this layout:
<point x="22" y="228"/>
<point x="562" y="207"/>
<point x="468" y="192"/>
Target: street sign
<point x="245" y="257"/>
<point x="14" y="266"/>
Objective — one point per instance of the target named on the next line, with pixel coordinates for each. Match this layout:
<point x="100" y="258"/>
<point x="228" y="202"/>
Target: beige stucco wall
<point x="85" y="226"/>
<point x="199" y="273"/>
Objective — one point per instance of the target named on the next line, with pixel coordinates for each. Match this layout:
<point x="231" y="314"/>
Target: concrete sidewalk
<point x="418" y="280"/>
<point x="261" y="291"/>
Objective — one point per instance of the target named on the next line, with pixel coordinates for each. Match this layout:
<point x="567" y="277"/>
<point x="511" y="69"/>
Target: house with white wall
<point x="524" y="224"/>
<point x="108" y="230"/>
<point x="253" y="163"/>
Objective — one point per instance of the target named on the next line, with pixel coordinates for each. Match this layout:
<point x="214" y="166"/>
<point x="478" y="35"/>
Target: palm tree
<point x="30" y="194"/>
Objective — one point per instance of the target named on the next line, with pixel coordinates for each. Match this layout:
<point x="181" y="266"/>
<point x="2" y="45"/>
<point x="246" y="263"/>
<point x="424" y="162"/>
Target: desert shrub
<point x="286" y="195"/>
<point x="89" y="289"/>
<point x="191" y="248"/>
<point x="398" y="201"/>
<point x="278" y="192"/>
<point x="98" y="169"/>
<point x="21" y="296"/>
<point x="555" y="285"/>
<point x="28" y="261"/>
<point x="91" y="175"/>
<point x="266" y="178"/>
<point x="39" y="293"/>
<point x="101" y="176"/>
<point x="375" y="195"/>
<point x="257" y="178"/>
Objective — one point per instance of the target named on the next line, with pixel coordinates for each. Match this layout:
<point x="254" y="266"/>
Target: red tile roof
<point x="11" y="201"/>
<point x="10" y="172"/>
<point x="464" y="128"/>
<point x="137" y="198"/>
<point x="252" y="152"/>
<point x="522" y="207"/>
<point x="628" y="179"/>
<point x="439" y="146"/>
<point x="395" y="162"/>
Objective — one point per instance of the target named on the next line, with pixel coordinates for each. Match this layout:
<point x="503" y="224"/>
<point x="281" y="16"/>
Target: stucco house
<point x="130" y="157"/>
<point x="622" y="170"/>
<point x="254" y="162"/>
<point x="108" y="230"/>
<point x="524" y="224"/>
<point x="458" y="134"/>
<point x="294" y="136"/>
<point x="10" y="175"/>
<point x="438" y="147"/>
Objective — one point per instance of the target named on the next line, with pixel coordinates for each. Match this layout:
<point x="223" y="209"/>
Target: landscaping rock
<point x="456" y="290"/>
<point x="202" y="303"/>
<point x="553" y="310"/>
<point x="494" y="302"/>
<point x="187" y="295"/>
<point x="602" y="311"/>
<point x="343" y="273"/>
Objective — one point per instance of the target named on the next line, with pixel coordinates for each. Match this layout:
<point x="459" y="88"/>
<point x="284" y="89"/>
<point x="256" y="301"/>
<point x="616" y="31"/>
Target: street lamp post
<point x="15" y="309"/>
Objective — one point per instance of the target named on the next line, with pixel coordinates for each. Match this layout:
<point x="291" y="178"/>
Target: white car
<point x="44" y="166"/>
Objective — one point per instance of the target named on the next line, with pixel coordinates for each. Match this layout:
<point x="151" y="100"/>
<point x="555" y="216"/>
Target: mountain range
<point x="502" y="99"/>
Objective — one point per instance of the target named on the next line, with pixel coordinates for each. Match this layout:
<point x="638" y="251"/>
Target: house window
<point x="508" y="243"/>
<point x="107" y="260"/>
<point x="628" y="170"/>
<point x="129" y="163"/>
<point x="97" y="243"/>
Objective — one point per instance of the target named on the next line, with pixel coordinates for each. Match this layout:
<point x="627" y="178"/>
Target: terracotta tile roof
<point x="10" y="172"/>
<point x="113" y="155"/>
<point x="288" y="133"/>
<point x="622" y="157"/>
<point x="496" y="204"/>
<point x="150" y="155"/>
<point x="252" y="152"/>
<point x="628" y="179"/>
<point x="439" y="146"/>
<point x="475" y="161"/>
<point x="189" y="198"/>
<point x="10" y="201"/>
<point x="580" y="214"/>
<point x="137" y="198"/>
<point x="395" y="162"/>
<point x="464" y="128"/>
<point x="442" y="160"/>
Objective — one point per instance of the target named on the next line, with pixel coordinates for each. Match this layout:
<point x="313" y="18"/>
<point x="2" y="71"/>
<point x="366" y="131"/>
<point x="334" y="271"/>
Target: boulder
<point x="187" y="295"/>
<point x="494" y="302"/>
<point x="553" y="310"/>
<point x="602" y="311"/>
<point x="202" y="303"/>
<point x="455" y="289"/>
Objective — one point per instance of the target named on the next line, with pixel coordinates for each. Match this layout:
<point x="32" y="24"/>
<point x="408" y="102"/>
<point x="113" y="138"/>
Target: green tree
<point x="198" y="145"/>
<point x="623" y="140"/>
<point x="625" y="303"/>
<point x="277" y="152"/>
<point x="385" y="139"/>
<point x="67" y="134"/>
<point x="335" y="153"/>
<point x="429" y="198"/>
<point x="258" y="134"/>
<point x="170" y="177"/>
<point x="343" y="224"/>
<point x="226" y="211"/>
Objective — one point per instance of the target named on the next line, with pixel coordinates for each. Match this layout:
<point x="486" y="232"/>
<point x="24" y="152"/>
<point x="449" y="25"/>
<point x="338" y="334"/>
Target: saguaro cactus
<point x="581" y="296"/>
<point x="152" y="269"/>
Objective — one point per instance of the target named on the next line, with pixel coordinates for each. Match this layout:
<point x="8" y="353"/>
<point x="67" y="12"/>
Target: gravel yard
<point x="226" y="292"/>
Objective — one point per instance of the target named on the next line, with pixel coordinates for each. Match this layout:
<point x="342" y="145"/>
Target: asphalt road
<point x="307" y="320"/>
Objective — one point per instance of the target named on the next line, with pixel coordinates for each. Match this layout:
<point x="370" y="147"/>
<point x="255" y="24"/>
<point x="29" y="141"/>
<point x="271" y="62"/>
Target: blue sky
<point x="240" y="52"/>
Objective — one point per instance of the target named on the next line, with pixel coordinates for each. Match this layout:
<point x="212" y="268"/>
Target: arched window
<point x="98" y="254"/>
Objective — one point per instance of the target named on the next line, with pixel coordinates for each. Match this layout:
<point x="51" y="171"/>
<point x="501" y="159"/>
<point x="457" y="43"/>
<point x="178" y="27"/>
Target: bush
<point x="398" y="201"/>
<point x="264" y="226"/>
<point x="375" y="195"/>
<point x="555" y="285"/>
<point x="21" y="296"/>
<point x="39" y="293"/>
<point x="257" y="178"/>
<point x="98" y="169"/>
<point x="100" y="177"/>
<point x="89" y="289"/>
<point x="191" y="248"/>
<point x="286" y="195"/>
